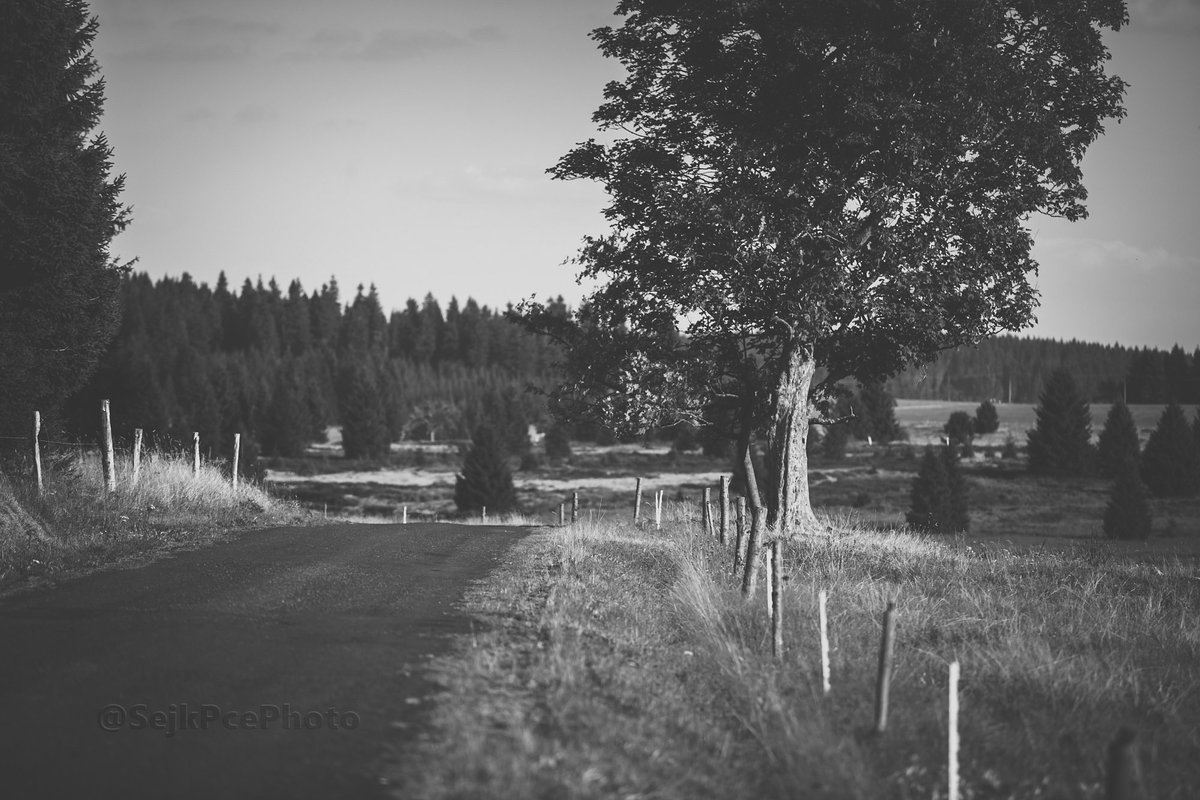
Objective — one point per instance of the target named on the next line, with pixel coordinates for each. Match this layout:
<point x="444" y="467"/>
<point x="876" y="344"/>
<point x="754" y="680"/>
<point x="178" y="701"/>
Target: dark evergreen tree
<point x="987" y="419"/>
<point x="1119" y="445"/>
<point x="486" y="480"/>
<point x="364" y="424"/>
<point x="1170" y="466"/>
<point x="1127" y="515"/>
<point x="558" y="442"/>
<point x="939" y="494"/>
<point x="875" y="413"/>
<point x="960" y="428"/>
<point x="1060" y="444"/>
<point x="59" y="210"/>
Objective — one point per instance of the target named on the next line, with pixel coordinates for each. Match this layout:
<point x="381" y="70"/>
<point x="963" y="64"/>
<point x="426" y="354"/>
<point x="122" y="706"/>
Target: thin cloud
<point x="1101" y="253"/>
<point x="207" y="24"/>
<point x="390" y="44"/>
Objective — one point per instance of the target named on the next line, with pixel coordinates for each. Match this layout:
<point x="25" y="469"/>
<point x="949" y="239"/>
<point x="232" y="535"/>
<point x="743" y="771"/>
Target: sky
<point x="404" y="143"/>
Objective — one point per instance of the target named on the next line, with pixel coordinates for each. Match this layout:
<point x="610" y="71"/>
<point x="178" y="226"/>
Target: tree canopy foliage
<point x="804" y="191"/>
<point x="59" y="209"/>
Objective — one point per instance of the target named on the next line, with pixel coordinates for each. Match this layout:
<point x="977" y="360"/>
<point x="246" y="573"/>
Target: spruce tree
<point x="1170" y="466"/>
<point x="875" y="413"/>
<point x="486" y="480"/>
<point x="987" y="420"/>
<point x="1060" y="444"/>
<point x="59" y="210"/>
<point x="1128" y="513"/>
<point x="1119" y="444"/>
<point x="939" y="494"/>
<point x="364" y="422"/>
<point x="960" y="428"/>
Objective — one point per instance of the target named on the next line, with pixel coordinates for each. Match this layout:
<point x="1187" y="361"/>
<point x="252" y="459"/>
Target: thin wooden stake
<point x="758" y="519"/>
<point x="637" y="502"/>
<point x="37" y="450"/>
<point x="237" y="450"/>
<point x="770" y="567"/>
<point x="724" y="500"/>
<point x="562" y="514"/>
<point x="884" y="680"/>
<point x="110" y="471"/>
<point x="404" y="516"/>
<point x="776" y="562"/>
<point x="706" y="511"/>
<point x="196" y="453"/>
<point x="658" y="501"/>
<point x="574" y="507"/>
<point x="483" y="514"/>
<point x="739" y="542"/>
<point x="824" y="641"/>
<point x="1121" y="778"/>
<point x="137" y="455"/>
<point x="952" y="755"/>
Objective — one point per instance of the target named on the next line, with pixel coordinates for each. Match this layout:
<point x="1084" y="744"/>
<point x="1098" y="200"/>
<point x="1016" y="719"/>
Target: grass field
<point x="617" y="661"/>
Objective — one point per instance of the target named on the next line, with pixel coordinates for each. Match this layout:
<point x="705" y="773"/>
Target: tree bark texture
<point x="790" y="510"/>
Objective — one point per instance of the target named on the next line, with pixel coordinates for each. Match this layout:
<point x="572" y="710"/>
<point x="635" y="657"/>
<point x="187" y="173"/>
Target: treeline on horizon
<point x="280" y="367"/>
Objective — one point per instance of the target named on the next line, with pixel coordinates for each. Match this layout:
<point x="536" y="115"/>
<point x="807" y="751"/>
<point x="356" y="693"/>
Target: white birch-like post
<point x="483" y="514"/>
<point x="739" y="541"/>
<point x="952" y="755"/>
<point x="776" y="561"/>
<point x="37" y="450"/>
<point x="237" y="449"/>
<point x="137" y="455"/>
<point x="108" y="457"/>
<point x="562" y="514"/>
<point x="574" y="507"/>
<point x="706" y="511"/>
<point x="196" y="453"/>
<point x="404" y="516"/>
<point x="770" y="567"/>
<point x="824" y="620"/>
<point x="658" y="501"/>
<point x="637" y="502"/>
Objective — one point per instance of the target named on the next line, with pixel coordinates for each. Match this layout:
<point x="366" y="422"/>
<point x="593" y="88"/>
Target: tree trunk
<point x="789" y="506"/>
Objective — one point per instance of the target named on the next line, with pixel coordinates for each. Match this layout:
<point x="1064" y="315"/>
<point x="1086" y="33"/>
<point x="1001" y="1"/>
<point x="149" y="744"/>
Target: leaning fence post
<point x="1120" y="780"/>
<point x="237" y="449"/>
<point x="724" y="529"/>
<point x="137" y="454"/>
<point x="109" y="460"/>
<point x="574" y="507"/>
<point x="37" y="449"/>
<point x="776" y="592"/>
<point x="884" y="679"/>
<point x="637" y="502"/>
<point x="196" y="453"/>
<point x="952" y="738"/>
<point x="740" y="540"/>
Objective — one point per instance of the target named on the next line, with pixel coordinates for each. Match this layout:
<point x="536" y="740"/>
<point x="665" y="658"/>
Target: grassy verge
<point x="618" y="662"/>
<point x="74" y="524"/>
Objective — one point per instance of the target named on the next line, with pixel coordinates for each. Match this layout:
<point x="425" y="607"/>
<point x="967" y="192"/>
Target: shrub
<point x="960" y="428"/>
<point x="1060" y="444"/>
<point x="1119" y="445"/>
<point x="485" y="480"/>
<point x="875" y="414"/>
<point x="1128" y="513"/>
<point x="939" y="494"/>
<point x="557" y="443"/>
<point x="1170" y="466"/>
<point x="987" y="420"/>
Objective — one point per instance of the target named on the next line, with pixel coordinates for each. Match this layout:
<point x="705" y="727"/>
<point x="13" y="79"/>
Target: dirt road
<point x="284" y="663"/>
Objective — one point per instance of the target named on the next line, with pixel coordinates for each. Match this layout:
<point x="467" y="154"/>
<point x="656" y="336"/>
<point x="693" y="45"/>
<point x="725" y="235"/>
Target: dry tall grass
<point x="168" y="505"/>
<point x="623" y="662"/>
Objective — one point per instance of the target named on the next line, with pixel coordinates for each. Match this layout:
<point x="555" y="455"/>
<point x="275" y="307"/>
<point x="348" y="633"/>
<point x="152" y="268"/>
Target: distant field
<point x="924" y="419"/>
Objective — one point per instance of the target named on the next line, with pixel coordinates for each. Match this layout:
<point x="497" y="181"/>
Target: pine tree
<point x="1170" y="466"/>
<point x="364" y="424"/>
<point x="486" y="480"/>
<point x="987" y="420"/>
<point x="875" y="413"/>
<point x="1119" y="444"/>
<point x="1060" y="444"/>
<point x="960" y="428"/>
<point x="1128" y="513"/>
<point x="939" y="494"/>
<point x="59" y="210"/>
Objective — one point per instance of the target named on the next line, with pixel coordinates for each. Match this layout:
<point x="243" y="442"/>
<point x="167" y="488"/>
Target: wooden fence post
<point x="108" y="458"/>
<point x="824" y="624"/>
<point x="637" y="502"/>
<point x="884" y="679"/>
<point x="706" y="511"/>
<point x="237" y="449"/>
<point x="758" y="520"/>
<point x="1121" y="778"/>
<point x="404" y="516"/>
<point x="562" y="514"/>
<point x="574" y="507"/>
<point x="776" y="592"/>
<point x="137" y="454"/>
<point x="740" y="541"/>
<point x="658" y="503"/>
<point x="196" y="453"/>
<point x="952" y="739"/>
<point x="724" y="529"/>
<point x="483" y="514"/>
<point x="37" y="450"/>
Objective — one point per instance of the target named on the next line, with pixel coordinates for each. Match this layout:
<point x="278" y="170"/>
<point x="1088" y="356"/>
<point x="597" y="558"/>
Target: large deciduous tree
<point x="59" y="209"/>
<point x="804" y="191"/>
